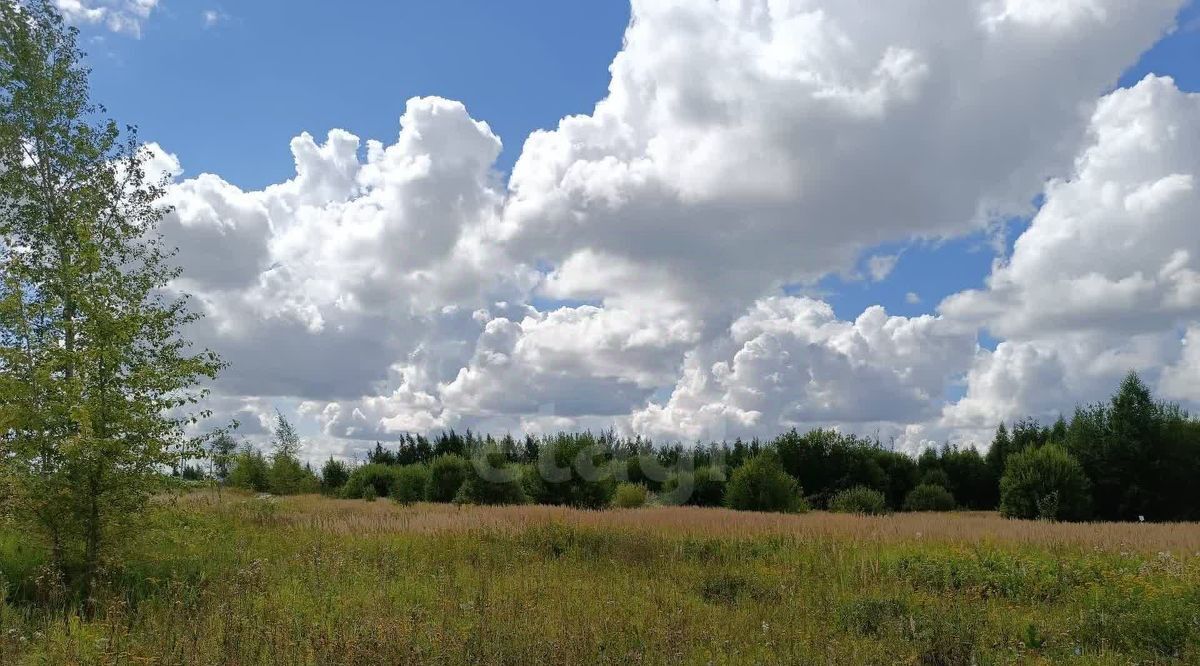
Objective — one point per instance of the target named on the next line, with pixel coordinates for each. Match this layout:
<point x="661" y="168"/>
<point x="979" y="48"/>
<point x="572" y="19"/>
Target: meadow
<point x="242" y="579"/>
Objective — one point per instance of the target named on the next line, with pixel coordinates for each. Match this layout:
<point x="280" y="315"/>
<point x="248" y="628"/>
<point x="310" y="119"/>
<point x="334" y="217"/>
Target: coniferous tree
<point x="998" y="453"/>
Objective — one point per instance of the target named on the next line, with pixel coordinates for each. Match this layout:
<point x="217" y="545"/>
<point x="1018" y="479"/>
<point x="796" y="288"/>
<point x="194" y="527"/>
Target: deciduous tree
<point x="97" y="386"/>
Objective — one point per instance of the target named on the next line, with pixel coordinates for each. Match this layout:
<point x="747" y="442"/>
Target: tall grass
<point x="317" y="581"/>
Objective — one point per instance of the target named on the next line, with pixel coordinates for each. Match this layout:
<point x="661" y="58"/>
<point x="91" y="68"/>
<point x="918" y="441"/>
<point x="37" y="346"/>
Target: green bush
<point x="1044" y="483"/>
<point x="629" y="496"/>
<point x="369" y="493"/>
<point x="411" y="484"/>
<point x="250" y="471"/>
<point x="492" y="481"/>
<point x="288" y="476"/>
<point x="760" y="484"/>
<point x="334" y="474"/>
<point x="645" y="468"/>
<point x="446" y="476"/>
<point x="571" y="470"/>
<point x="929" y="497"/>
<point x="704" y="486"/>
<point x="378" y="477"/>
<point x="861" y="500"/>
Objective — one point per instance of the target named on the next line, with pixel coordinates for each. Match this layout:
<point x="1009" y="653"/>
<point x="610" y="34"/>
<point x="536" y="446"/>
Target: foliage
<point x="969" y="478"/>
<point x="379" y="478"/>
<point x="411" y="484"/>
<point x="191" y="473"/>
<point x="1046" y="483"/>
<point x="334" y="474"/>
<point x="446" y="476"/>
<point x="98" y="386"/>
<point x="642" y="466"/>
<point x="928" y="497"/>
<point x="572" y="470"/>
<point x="1142" y="457"/>
<point x="704" y="486"/>
<point x="287" y="475"/>
<point x="630" y="496"/>
<point x="859" y="499"/>
<point x="827" y="461"/>
<point x="221" y="450"/>
<point x="761" y="484"/>
<point x="583" y="469"/>
<point x="492" y="481"/>
<point x="250" y="470"/>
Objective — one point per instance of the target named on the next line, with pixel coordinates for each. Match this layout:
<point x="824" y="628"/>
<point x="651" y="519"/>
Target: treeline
<point x="1129" y="459"/>
<point x="1132" y="458"/>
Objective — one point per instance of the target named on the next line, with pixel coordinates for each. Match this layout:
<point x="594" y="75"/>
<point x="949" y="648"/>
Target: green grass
<point x="238" y="584"/>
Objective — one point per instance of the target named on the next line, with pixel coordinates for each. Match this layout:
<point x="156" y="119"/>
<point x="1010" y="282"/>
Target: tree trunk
<point x="92" y="549"/>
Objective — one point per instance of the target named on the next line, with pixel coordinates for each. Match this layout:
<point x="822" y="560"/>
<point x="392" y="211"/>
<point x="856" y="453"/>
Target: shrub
<point x="368" y="493"/>
<point x="411" y="484"/>
<point x="929" y="497"/>
<point x="704" y="486"/>
<point x="761" y="485"/>
<point x="334" y="474"/>
<point x="572" y="470"/>
<point x="629" y="496"/>
<point x="859" y="499"/>
<point x="645" y="468"/>
<point x="446" y="476"/>
<point x="1045" y="483"/>
<point x="250" y="470"/>
<point x="288" y="477"/>
<point x="378" y="477"/>
<point x="492" y="481"/>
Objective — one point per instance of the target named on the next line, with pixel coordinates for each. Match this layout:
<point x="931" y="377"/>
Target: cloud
<point x="630" y="271"/>
<point x="314" y="287"/>
<point x="1114" y="246"/>
<point x="1181" y="380"/>
<point x="789" y="362"/>
<point x="1107" y="276"/>
<point x="881" y="265"/>
<point x="213" y="17"/>
<point x="122" y="16"/>
<point x="778" y="140"/>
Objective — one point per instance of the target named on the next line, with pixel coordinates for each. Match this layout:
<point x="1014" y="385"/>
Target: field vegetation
<point x="314" y="580"/>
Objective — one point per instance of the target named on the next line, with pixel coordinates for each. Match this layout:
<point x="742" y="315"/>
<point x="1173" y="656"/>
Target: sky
<point x="720" y="219"/>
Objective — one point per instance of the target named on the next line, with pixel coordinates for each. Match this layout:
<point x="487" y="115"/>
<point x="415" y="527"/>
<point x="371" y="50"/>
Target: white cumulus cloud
<point x="632" y="270"/>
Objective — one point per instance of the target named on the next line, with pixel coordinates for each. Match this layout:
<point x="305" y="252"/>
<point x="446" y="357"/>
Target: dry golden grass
<point x="382" y="517"/>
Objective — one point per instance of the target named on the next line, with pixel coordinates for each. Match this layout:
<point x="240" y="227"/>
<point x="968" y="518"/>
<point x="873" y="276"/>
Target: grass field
<point x="319" y="581"/>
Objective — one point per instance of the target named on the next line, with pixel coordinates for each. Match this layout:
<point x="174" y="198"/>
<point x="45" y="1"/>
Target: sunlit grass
<point x="314" y="580"/>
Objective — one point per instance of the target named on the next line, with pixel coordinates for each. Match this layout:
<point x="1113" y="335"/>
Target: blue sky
<point x="227" y="97"/>
<point x="225" y="87"/>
